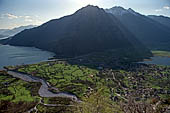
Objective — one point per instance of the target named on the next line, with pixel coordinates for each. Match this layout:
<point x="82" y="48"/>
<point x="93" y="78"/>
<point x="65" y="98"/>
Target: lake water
<point x="12" y="55"/>
<point x="159" y="60"/>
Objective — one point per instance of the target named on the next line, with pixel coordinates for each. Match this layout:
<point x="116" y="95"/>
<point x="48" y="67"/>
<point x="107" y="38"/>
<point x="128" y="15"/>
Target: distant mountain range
<point x="161" y="19"/>
<point x="3" y="30"/>
<point x="152" y="31"/>
<point x="12" y="32"/>
<point x="2" y="36"/>
<point x="88" y="30"/>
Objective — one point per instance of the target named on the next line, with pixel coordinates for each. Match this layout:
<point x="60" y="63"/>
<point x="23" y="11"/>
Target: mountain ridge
<point x="147" y="30"/>
<point x="89" y="29"/>
<point x="14" y="31"/>
<point x="161" y="19"/>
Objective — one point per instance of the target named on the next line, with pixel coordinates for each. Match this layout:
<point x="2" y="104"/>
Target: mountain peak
<point x="118" y="7"/>
<point x="132" y="11"/>
<point x="89" y="8"/>
<point x="89" y="30"/>
<point x="117" y="10"/>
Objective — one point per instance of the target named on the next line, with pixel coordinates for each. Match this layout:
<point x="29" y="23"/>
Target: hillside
<point x="88" y="30"/>
<point x="162" y="19"/>
<point x="152" y="33"/>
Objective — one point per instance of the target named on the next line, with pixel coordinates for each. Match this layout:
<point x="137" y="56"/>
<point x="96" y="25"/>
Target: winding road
<point x="44" y="89"/>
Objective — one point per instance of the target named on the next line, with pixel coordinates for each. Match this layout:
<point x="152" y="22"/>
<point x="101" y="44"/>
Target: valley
<point x="140" y="82"/>
<point x="94" y="60"/>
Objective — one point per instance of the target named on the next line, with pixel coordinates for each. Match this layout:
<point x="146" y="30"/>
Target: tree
<point x="98" y="102"/>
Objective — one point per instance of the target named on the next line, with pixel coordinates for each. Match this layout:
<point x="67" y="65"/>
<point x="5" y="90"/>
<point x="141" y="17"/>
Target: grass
<point x="161" y="53"/>
<point x="144" y="82"/>
<point x="15" y="90"/>
<point x="68" y="78"/>
<point x="17" y="96"/>
<point x="79" y="79"/>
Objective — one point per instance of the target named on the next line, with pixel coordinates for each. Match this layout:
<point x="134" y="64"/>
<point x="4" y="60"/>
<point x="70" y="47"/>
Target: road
<point x="44" y="89"/>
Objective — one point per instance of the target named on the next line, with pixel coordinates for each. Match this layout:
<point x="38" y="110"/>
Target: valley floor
<point x="124" y="85"/>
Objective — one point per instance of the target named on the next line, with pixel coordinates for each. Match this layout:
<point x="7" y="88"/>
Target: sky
<point x="15" y="13"/>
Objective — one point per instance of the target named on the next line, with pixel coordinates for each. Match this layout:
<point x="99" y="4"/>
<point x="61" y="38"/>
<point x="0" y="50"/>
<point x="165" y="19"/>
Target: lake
<point x="159" y="60"/>
<point x="13" y="55"/>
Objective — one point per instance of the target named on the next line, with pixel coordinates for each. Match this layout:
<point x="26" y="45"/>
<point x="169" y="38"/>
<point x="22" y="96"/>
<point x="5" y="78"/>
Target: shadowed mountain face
<point x="161" y="19"/>
<point x="88" y="30"/>
<point x="152" y="33"/>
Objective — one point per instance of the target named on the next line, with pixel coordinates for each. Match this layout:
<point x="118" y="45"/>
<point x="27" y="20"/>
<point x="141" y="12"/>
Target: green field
<point x="81" y="80"/>
<point x="17" y="95"/>
<point x="68" y="78"/>
<point x="161" y="53"/>
<point x="143" y="83"/>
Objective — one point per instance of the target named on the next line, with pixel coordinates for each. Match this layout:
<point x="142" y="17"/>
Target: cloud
<point x="38" y="22"/>
<point x="163" y="8"/>
<point x="32" y="20"/>
<point x="1" y="16"/>
<point x="27" y="17"/>
<point x="36" y="16"/>
<point x="158" y="10"/>
<point x="23" y="18"/>
<point x="11" y="16"/>
<point x="166" y="7"/>
<point x="28" y="20"/>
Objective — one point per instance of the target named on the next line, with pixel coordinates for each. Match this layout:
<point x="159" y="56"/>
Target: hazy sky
<point x="14" y="13"/>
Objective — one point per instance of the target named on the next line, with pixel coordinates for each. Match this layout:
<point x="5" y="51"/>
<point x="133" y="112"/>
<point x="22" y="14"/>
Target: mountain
<point x="2" y="36"/>
<point x="88" y="30"/>
<point x="150" y="32"/>
<point x="3" y="30"/>
<point x="12" y="32"/>
<point x="161" y="19"/>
